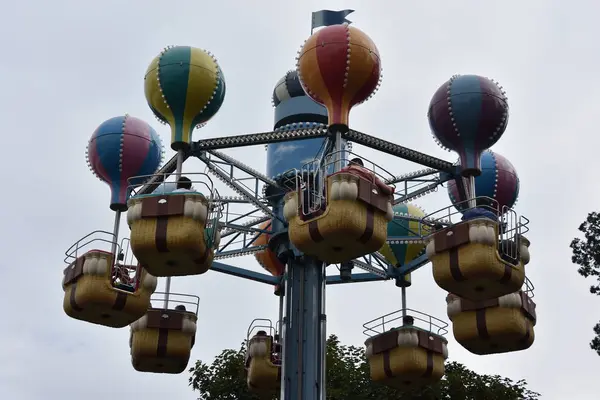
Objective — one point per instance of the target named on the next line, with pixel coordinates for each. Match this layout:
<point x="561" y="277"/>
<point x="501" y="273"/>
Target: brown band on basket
<point x="120" y="301"/>
<point x="163" y="338"/>
<point x="160" y="237"/>
<point x="74" y="270"/>
<point x="451" y="237"/>
<point x="507" y="274"/>
<point x="165" y="319"/>
<point x="481" y="324"/>
<point x="72" y="301"/>
<point x="454" y="266"/>
<point x="528" y="306"/>
<point x="430" y="342"/>
<point x="370" y="228"/>
<point x="429" y="370"/>
<point x="385" y="341"/>
<point x="163" y="206"/>
<point x="387" y="368"/>
<point x="313" y="231"/>
<point x="470" y="305"/>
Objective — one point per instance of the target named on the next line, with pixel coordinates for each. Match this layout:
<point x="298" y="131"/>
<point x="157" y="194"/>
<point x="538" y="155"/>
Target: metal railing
<point x="258" y="324"/>
<point x="510" y="225"/>
<point x="311" y="178"/>
<point x="82" y="246"/>
<point x="528" y="288"/>
<point x="386" y="322"/>
<point x="175" y="300"/>
<point x="126" y="256"/>
<point x="201" y="183"/>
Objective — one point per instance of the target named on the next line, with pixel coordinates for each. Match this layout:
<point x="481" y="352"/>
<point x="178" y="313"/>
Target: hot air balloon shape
<point x="339" y="66"/>
<point x="185" y="88"/>
<point x="267" y="258"/>
<point x="468" y="114"/>
<point x="122" y="148"/>
<point x="498" y="181"/>
<point x="406" y="222"/>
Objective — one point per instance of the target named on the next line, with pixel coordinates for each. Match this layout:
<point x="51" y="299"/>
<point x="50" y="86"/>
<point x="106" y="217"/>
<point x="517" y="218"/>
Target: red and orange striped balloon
<point x="339" y="66"/>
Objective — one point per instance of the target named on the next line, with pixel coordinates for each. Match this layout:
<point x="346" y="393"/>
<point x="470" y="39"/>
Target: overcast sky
<point x="69" y="65"/>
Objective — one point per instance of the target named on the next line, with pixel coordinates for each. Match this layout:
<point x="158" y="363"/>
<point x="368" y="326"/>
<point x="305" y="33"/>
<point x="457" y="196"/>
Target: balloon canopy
<point x="267" y="258"/>
<point x="399" y="252"/>
<point x="184" y="87"/>
<point x="339" y="66"/>
<point x="122" y="148"/>
<point x="468" y="114"/>
<point x="498" y="181"/>
<point x="287" y="88"/>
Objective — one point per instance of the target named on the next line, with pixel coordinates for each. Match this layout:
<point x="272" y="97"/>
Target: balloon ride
<point x="320" y="215"/>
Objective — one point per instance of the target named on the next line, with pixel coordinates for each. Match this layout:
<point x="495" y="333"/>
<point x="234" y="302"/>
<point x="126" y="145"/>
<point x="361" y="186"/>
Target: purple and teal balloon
<point x="468" y="114"/>
<point x="184" y="87"/>
<point x="122" y="148"/>
<point x="498" y="181"/>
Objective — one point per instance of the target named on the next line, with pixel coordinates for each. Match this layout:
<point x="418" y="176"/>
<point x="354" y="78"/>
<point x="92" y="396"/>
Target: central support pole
<point x="116" y="226"/>
<point x="338" y="151"/>
<point x="472" y="201"/>
<point x="304" y="335"/>
<point x="180" y="156"/>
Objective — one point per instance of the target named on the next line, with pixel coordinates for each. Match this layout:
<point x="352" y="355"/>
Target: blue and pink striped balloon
<point x="498" y="181"/>
<point x="122" y="148"/>
<point x="468" y="114"/>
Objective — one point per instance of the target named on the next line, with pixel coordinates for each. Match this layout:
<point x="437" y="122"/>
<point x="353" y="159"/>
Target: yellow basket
<point x="91" y="297"/>
<point x="263" y="376"/>
<point x="162" y="340"/>
<point x="168" y="233"/>
<point x="466" y="262"/>
<point x="494" y="326"/>
<point x="353" y="223"/>
<point x="406" y="357"/>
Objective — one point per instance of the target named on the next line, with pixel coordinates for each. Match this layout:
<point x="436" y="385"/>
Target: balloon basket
<point x="90" y="296"/>
<point x="353" y="221"/>
<point x="263" y="366"/>
<point x="263" y="374"/>
<point x="495" y="326"/>
<point x="169" y="235"/>
<point x="406" y="357"/>
<point x="161" y="341"/>
<point x="466" y="261"/>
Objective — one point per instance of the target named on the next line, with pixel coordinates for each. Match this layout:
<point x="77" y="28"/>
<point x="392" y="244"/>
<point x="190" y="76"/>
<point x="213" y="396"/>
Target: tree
<point x="586" y="254"/>
<point x="348" y="379"/>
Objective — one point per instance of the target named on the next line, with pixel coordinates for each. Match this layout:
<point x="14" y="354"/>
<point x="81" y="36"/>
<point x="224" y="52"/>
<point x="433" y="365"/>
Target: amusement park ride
<point x="321" y="205"/>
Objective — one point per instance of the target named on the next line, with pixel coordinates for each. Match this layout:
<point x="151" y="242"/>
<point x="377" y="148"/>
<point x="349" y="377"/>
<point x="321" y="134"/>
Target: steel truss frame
<point x="302" y="314"/>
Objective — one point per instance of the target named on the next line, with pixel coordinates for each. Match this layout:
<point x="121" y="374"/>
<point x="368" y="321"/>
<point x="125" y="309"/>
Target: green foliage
<point x="586" y="254"/>
<point x="348" y="379"/>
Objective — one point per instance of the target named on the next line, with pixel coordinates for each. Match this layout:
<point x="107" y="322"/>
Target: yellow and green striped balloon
<point x="399" y="253"/>
<point x="184" y="87"/>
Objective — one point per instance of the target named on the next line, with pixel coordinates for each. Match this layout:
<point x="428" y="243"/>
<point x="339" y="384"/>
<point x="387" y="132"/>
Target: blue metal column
<point x="303" y="369"/>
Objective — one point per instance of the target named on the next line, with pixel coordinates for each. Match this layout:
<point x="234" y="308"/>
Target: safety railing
<point x="96" y="240"/>
<point x="215" y="213"/>
<point x="395" y="319"/>
<point x="126" y="255"/>
<point x="260" y="324"/>
<point x="511" y="226"/>
<point x="311" y="178"/>
<point x="528" y="288"/>
<point x="175" y="301"/>
<point x="200" y="183"/>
